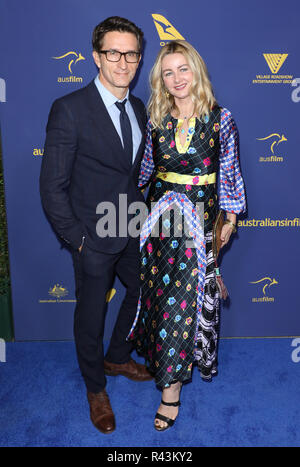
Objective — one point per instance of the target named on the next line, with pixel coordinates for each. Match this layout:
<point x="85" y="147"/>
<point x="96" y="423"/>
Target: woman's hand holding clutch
<point x="225" y="234"/>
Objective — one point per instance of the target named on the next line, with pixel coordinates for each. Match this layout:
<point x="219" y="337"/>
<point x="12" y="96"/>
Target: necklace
<point x="183" y="141"/>
<point x="186" y="119"/>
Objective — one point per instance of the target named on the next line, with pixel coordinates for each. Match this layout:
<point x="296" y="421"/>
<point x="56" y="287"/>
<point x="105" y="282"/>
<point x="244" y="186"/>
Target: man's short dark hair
<point x="115" y="23"/>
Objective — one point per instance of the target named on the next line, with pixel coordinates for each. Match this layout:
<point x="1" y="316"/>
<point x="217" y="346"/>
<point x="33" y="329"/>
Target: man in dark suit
<point x="94" y="145"/>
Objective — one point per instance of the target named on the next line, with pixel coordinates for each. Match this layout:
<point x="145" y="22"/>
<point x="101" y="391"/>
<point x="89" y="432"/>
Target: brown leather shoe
<point x="101" y="412"/>
<point x="132" y="370"/>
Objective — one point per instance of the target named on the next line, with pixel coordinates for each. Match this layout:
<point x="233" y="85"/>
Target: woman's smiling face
<point x="177" y="75"/>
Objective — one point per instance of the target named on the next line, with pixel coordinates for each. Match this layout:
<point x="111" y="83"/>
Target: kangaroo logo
<point x="268" y="283"/>
<point x="275" y="61"/>
<point x="165" y="29"/>
<point x="73" y="61"/>
<point x="278" y="139"/>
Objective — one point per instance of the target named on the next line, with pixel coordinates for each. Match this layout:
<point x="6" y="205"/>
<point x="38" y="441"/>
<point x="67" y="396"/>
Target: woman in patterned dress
<point x="189" y="140"/>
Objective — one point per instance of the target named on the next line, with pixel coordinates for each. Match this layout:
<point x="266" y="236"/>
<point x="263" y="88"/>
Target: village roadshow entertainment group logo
<point x="274" y="62"/>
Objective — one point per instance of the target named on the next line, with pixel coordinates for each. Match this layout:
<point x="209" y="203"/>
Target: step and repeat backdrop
<point x="252" y="53"/>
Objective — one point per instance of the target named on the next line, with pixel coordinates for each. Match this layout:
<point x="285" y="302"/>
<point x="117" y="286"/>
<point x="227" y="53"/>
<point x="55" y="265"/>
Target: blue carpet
<point x="254" y="401"/>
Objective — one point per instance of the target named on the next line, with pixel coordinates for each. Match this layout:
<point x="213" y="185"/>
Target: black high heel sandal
<point x="170" y="422"/>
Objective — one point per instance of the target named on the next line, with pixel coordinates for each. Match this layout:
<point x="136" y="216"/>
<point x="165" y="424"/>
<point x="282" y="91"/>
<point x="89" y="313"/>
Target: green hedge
<point x="6" y="322"/>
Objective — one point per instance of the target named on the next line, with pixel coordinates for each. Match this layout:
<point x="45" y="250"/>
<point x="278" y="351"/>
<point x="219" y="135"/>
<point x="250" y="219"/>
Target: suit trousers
<point x="94" y="276"/>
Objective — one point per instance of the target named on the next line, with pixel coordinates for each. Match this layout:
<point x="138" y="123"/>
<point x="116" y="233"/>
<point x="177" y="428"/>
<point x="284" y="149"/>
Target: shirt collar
<point x="108" y="98"/>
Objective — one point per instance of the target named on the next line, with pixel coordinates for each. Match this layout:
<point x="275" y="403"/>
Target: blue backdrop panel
<point x="260" y="264"/>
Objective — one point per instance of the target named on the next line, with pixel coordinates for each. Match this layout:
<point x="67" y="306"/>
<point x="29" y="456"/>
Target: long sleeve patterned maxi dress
<point x="178" y="312"/>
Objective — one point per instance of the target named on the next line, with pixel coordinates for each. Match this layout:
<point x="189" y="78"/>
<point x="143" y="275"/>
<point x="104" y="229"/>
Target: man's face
<point x="116" y="76"/>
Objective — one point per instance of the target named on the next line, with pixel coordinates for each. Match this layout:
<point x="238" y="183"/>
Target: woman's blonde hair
<point x="161" y="102"/>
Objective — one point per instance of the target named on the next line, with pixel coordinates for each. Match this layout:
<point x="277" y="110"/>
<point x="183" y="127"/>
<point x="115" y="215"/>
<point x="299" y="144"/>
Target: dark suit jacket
<point x="84" y="164"/>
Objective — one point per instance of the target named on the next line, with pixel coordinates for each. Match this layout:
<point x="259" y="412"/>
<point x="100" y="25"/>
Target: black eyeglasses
<point x="115" y="56"/>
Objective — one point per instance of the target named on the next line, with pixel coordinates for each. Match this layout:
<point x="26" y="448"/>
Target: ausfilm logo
<point x="273" y="140"/>
<point x="70" y="59"/>
<point x="265" y="283"/>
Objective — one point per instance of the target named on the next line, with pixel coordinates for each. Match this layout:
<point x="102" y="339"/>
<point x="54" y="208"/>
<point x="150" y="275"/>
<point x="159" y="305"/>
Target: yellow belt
<point x="174" y="177"/>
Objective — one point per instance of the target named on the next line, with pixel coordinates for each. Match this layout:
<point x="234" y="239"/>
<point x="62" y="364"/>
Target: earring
<point x="167" y="94"/>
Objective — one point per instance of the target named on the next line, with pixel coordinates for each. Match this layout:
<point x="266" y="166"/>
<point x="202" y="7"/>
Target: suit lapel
<point x="105" y="126"/>
<point x="141" y="123"/>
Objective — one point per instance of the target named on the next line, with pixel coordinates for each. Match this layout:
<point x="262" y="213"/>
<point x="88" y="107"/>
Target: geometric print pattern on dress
<point x="177" y="321"/>
<point x="231" y="190"/>
<point x="207" y="334"/>
<point x="188" y="211"/>
<point x="200" y="161"/>
<point x="231" y="186"/>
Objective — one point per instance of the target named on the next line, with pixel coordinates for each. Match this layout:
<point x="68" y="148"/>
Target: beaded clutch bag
<point x="216" y="245"/>
<point x="216" y="241"/>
